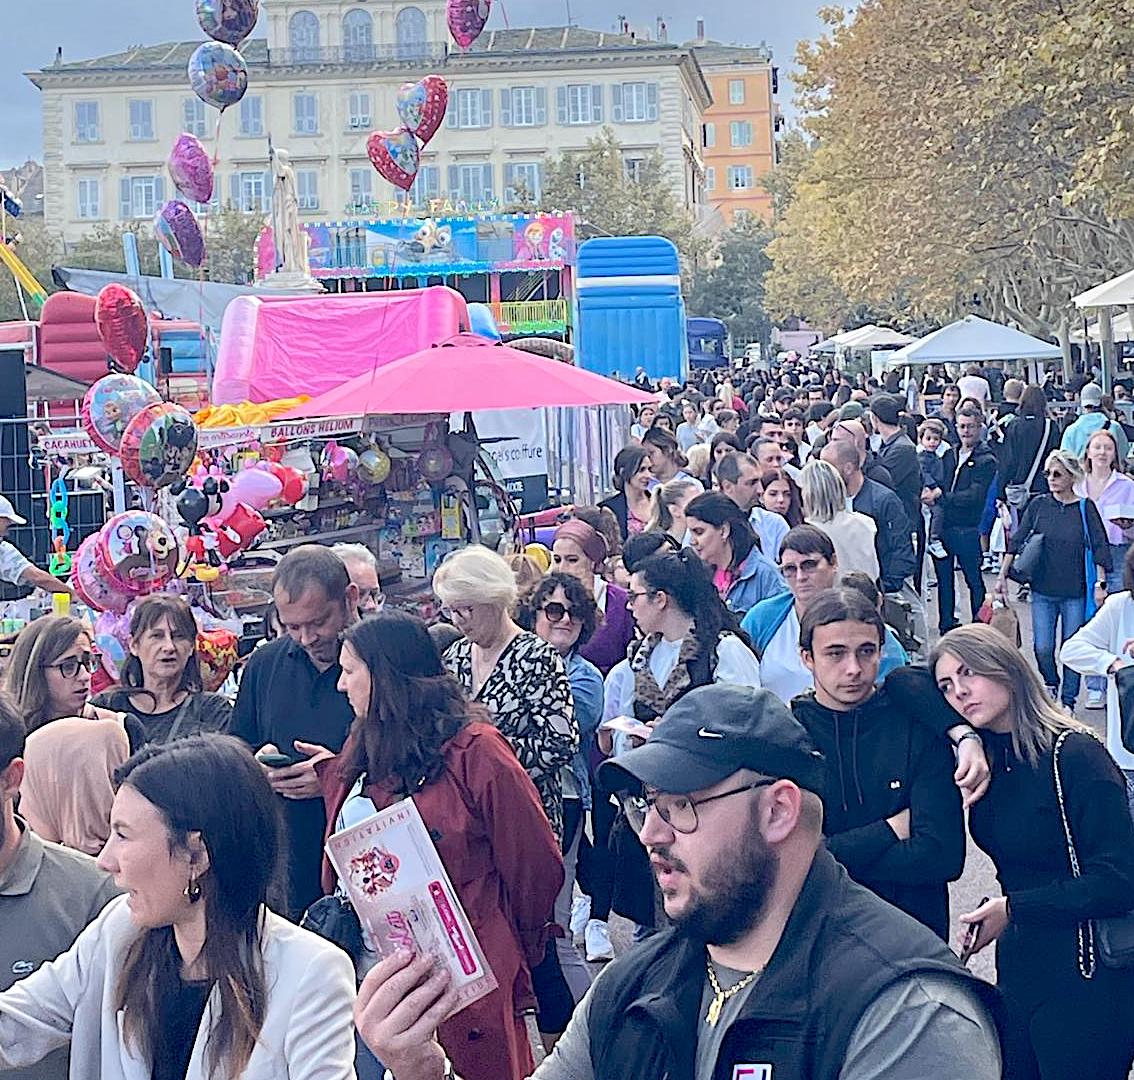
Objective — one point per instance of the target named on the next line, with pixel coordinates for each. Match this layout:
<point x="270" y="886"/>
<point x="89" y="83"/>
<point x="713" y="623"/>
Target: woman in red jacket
<point x="416" y="734"/>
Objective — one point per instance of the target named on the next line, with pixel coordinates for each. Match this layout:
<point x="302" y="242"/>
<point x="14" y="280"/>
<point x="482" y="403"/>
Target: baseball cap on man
<point x="852" y="410"/>
<point x="711" y="733"/>
<point x="885" y="408"/>
<point x="8" y="512"/>
<point x="1091" y="394"/>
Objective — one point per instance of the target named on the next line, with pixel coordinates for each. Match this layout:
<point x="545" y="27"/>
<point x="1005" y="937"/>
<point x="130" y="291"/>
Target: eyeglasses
<point x="804" y="566"/>
<point x="554" y="611"/>
<point x="1053" y="472"/>
<point x="679" y="812"/>
<point x="631" y="596"/>
<point x="72" y="665"/>
<point x="462" y="613"/>
<point x="374" y="596"/>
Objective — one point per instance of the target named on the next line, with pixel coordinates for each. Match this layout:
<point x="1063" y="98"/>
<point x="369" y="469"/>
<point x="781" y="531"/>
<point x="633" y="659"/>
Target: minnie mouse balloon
<point x="121" y="322"/>
<point x="422" y="105"/>
<point x="230" y="21"/>
<point x="190" y="168"/>
<point x="158" y="445"/>
<point x="176" y="229"/>
<point x="111" y="404"/>
<point x="218" y="74"/>
<point x="467" y="19"/>
<point x="395" y="155"/>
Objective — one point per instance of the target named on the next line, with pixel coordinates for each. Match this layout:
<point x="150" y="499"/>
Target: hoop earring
<point x="193" y="890"/>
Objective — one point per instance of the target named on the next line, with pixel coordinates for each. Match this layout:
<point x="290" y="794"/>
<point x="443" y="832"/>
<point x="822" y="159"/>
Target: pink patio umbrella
<point x="467" y="374"/>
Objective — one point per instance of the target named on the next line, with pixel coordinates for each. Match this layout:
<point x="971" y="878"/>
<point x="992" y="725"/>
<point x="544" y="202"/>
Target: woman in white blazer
<point x="1101" y="647"/>
<point x="189" y="976"/>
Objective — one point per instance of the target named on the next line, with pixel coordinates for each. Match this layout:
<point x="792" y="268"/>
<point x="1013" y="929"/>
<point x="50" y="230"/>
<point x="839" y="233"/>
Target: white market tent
<point x="1121" y="328"/>
<point x="1118" y="292"/>
<point x="864" y="337"/>
<point x="973" y="340"/>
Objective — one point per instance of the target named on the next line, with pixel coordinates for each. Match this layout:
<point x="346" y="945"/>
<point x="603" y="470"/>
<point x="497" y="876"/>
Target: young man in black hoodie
<point x="892" y="811"/>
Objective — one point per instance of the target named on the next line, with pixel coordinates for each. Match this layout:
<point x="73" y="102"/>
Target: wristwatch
<point x="967" y="735"/>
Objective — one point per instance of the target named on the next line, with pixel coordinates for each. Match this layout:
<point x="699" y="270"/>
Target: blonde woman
<point x="825" y="505"/>
<point x="699" y="465"/>
<point x="668" y="511"/>
<point x="1051" y="779"/>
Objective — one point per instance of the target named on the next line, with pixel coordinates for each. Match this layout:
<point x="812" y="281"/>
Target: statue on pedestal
<point x="288" y="234"/>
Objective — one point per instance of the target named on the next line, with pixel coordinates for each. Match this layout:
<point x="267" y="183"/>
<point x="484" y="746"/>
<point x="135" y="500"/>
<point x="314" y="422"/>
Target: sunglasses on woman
<point x="554" y="611"/>
<point x="72" y="665"/>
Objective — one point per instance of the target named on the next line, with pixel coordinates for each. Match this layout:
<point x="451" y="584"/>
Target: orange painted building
<point x="740" y="126"/>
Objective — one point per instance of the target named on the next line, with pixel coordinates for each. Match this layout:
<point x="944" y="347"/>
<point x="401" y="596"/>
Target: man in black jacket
<point x="963" y="503"/>
<point x="892" y="812"/>
<point x="777" y="965"/>
<point x="897" y="454"/>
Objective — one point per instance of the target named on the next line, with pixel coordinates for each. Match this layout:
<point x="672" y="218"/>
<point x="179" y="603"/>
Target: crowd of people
<point x="711" y="706"/>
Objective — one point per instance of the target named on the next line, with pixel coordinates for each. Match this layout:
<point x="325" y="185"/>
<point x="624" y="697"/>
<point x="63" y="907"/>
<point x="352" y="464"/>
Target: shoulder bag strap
<point x="1085" y="930"/>
<point x="1039" y="454"/>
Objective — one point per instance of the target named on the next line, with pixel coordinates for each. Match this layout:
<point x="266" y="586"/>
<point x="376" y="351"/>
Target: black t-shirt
<point x="1062" y="571"/>
<point x="199" y="712"/>
<point x="284" y="697"/>
<point x="180" y="1017"/>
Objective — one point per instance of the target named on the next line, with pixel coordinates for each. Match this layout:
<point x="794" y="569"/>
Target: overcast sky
<point x="88" y="28"/>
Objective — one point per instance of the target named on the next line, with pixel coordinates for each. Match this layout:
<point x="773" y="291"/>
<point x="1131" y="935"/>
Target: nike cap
<point x="712" y="732"/>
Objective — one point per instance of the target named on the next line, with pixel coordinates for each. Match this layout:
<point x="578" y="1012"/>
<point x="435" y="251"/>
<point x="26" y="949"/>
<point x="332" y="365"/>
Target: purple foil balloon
<point x="176" y="229"/>
<point x="191" y="169"/>
<point x="230" y="21"/>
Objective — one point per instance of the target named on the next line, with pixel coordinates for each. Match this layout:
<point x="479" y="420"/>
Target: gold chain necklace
<point x="721" y="995"/>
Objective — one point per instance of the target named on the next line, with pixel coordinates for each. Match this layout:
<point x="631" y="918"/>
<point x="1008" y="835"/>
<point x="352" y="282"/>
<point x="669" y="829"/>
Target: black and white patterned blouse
<point x="530" y="700"/>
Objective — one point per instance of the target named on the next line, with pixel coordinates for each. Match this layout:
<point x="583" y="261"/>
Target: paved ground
<point x="979" y="878"/>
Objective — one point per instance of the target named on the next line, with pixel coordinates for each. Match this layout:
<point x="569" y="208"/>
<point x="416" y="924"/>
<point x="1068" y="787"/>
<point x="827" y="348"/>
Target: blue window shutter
<point x="538" y="193"/>
<point x="651" y="101"/>
<point x="432" y="181"/>
<point x="453" y="112"/>
<point x="506" y="107"/>
<point x="235" y="192"/>
<point x="616" y="103"/>
<point x="486" y="108"/>
<point x="596" y="103"/>
<point x="454" y="182"/>
<point x="561" y="103"/>
<point x="267" y="191"/>
<point x="541" y="106"/>
<point x="509" y="182"/>
<point x="159" y="191"/>
<point x="125" y="207"/>
<point x="487" y="182"/>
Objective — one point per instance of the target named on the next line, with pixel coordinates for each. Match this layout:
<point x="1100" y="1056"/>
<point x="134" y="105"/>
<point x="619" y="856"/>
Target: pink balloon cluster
<point x="421" y="107"/>
<point x="467" y="19"/>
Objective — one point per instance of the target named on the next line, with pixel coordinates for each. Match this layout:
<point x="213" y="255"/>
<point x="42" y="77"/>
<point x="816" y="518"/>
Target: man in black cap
<point x="777" y="965"/>
<point x="898" y="454"/>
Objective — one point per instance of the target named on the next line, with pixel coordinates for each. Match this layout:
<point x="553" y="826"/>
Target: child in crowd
<point x="934" y="478"/>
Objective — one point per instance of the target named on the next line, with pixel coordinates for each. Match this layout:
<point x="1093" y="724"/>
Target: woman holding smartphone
<point x="1051" y="778"/>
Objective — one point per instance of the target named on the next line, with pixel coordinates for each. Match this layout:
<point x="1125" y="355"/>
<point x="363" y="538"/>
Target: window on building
<point x="361" y="189"/>
<point x="303" y="36"/>
<point x="307" y="188"/>
<point x="736" y="91"/>
<point x="358" y="35"/>
<point x="635" y="102"/>
<point x="140" y="196"/>
<point x="633" y="168"/>
<point x="471" y="183"/>
<point x="474" y="109"/>
<point x="740" y="177"/>
<point x="579" y="103"/>
<point x="193" y="117"/>
<point x="710" y="137"/>
<point x="710" y="179"/>
<point x="87" y="127"/>
<point x="141" y="120"/>
<point x="90" y="199"/>
<point x="305" y="114"/>
<point x="359" y="116"/>
<point x="522" y="181"/>
<point x="253" y="191"/>
<point x="519" y="106"/>
<point x="252" y="115"/>
<point x="411" y="33"/>
<point x="740" y="133"/>
<point x="426" y="185"/>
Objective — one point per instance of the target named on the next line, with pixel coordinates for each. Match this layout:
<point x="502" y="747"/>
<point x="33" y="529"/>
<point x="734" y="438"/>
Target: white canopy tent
<point x="1117" y="292"/>
<point x="1121" y="327"/>
<point x="862" y="338"/>
<point x="973" y="340"/>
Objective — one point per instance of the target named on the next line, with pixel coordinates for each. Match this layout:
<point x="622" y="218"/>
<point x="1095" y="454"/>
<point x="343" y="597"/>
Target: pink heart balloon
<point x="395" y="155"/>
<point x="467" y="19"/>
<point x="422" y="105"/>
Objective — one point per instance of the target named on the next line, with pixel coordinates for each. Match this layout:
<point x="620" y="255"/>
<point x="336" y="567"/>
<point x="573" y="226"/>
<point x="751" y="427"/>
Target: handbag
<point x="1110" y="940"/>
<point x="1026" y="564"/>
<point x="334" y="918"/>
<point x="1017" y="495"/>
<point x="1088" y="564"/>
<point x="1124" y="684"/>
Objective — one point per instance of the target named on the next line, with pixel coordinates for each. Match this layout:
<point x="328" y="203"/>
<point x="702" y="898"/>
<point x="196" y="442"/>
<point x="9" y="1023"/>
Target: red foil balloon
<point x="395" y="155"/>
<point x="422" y="105"/>
<point x="467" y="19"/>
<point x="121" y="322"/>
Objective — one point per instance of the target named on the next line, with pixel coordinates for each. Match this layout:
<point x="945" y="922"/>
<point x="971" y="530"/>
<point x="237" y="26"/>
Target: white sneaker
<point x="580" y="916"/>
<point x="1096" y="699"/>
<point x="597" y="938"/>
<point x="937" y="549"/>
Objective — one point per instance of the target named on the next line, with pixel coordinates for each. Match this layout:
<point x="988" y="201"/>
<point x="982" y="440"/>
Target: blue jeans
<point x="1113" y="584"/>
<point x="1070" y="612"/>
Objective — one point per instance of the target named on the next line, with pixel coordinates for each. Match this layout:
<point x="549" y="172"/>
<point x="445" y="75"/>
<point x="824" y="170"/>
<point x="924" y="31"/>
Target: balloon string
<point x="504" y="12"/>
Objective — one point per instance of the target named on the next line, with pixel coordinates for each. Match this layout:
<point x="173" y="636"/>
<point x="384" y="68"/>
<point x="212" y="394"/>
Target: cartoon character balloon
<point x="191" y="169"/>
<point x="395" y="155"/>
<point x="111" y="403"/>
<point x="88" y="582"/>
<point x="422" y="105"/>
<point x="137" y="552"/>
<point x="218" y="74"/>
<point x="120" y="319"/>
<point x="176" y="229"/>
<point x="159" y="445"/>
<point x="230" y="21"/>
<point x="216" y="656"/>
<point x="467" y="19"/>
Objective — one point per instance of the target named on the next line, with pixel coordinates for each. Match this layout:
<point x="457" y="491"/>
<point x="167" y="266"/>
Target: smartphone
<point x="276" y="761"/>
<point x="971" y="936"/>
